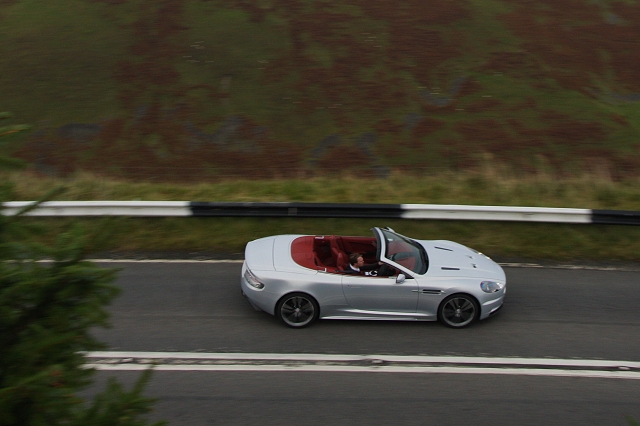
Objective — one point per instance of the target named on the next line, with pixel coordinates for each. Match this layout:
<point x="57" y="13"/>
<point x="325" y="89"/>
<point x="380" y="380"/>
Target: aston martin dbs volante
<point x="300" y="278"/>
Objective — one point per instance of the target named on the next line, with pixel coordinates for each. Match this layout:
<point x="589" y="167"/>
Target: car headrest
<point x="341" y="260"/>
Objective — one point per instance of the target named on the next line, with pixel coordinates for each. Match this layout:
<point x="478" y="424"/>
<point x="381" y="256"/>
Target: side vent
<point x="449" y="268"/>
<point x="442" y="248"/>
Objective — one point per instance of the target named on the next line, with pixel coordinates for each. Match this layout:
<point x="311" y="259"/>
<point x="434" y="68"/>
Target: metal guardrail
<point x="101" y="208"/>
<point x="326" y="210"/>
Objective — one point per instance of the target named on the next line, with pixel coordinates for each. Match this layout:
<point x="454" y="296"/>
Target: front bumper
<point x="492" y="303"/>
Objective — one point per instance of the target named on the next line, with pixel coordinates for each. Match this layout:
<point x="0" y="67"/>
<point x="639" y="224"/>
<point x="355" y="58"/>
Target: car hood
<point x="450" y="259"/>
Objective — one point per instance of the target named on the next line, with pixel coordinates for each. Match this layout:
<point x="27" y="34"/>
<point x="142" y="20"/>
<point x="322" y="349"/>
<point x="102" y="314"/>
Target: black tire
<point x="297" y="310"/>
<point x="458" y="310"/>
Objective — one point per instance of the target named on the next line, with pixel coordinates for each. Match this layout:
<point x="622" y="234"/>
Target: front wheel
<point x="458" y="310"/>
<point x="297" y="310"/>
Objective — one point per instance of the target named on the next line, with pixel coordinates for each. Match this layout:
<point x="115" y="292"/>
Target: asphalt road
<point x="548" y="313"/>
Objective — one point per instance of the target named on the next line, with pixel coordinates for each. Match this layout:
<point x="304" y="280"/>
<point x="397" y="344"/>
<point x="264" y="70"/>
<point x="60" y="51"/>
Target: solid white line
<point x="378" y="369"/>
<point x="231" y="355"/>
<point x="558" y="362"/>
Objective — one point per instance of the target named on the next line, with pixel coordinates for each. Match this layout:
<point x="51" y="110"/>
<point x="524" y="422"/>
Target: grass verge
<point x="229" y="235"/>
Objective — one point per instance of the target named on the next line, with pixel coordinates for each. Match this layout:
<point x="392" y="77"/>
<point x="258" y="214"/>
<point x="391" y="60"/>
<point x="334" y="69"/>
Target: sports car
<point x="301" y="278"/>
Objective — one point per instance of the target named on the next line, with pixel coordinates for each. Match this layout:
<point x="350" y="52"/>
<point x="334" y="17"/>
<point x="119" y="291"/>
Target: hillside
<point x="194" y="90"/>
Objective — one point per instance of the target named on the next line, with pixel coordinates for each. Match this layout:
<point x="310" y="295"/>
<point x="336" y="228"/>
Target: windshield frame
<point x="422" y="263"/>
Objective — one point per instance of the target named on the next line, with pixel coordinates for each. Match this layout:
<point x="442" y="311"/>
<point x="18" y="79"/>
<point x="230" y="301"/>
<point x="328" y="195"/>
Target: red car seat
<point x="337" y="254"/>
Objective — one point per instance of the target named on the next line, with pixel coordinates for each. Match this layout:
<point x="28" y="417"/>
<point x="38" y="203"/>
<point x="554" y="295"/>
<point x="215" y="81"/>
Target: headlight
<point x="252" y="280"/>
<point x="491" y="286"/>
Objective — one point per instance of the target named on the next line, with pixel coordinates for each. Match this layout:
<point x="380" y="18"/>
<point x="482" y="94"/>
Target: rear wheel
<point x="458" y="310"/>
<point x="297" y="310"/>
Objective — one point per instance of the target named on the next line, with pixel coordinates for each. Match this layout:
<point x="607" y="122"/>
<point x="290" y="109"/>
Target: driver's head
<point x="356" y="259"/>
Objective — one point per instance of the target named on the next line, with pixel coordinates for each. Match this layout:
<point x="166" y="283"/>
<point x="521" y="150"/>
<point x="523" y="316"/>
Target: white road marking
<point x="379" y="369"/>
<point x="347" y="357"/>
<point x="583" y="267"/>
<point x="505" y="264"/>
<point x="190" y="361"/>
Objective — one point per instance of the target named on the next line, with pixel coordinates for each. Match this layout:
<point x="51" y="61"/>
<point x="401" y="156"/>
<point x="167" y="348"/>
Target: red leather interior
<point x="303" y="254"/>
<point x="337" y="254"/>
<point x="330" y="253"/>
<point x="341" y="261"/>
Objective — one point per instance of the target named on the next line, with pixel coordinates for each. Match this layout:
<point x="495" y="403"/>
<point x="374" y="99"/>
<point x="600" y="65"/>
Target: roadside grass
<point x="315" y="81"/>
<point x="504" y="241"/>
<point x="229" y="235"/>
<point x="492" y="186"/>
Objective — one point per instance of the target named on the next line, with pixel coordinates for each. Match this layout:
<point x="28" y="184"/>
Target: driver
<point x="357" y="266"/>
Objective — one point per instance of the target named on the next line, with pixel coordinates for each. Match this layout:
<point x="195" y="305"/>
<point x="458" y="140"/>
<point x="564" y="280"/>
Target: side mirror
<point x="400" y="278"/>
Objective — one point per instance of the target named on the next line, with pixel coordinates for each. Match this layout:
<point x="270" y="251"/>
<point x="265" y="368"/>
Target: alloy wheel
<point x="458" y="311"/>
<point x="297" y="311"/>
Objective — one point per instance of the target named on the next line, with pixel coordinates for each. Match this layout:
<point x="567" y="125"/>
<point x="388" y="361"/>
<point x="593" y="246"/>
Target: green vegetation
<point x="7" y="132"/>
<point x="229" y="235"/>
<point x="491" y="187"/>
<point x="46" y="314"/>
<point x="531" y="103"/>
<point x="193" y="90"/>
<point x="184" y="236"/>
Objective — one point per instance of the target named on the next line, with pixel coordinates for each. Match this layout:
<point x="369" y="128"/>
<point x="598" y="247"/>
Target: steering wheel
<point x="401" y="255"/>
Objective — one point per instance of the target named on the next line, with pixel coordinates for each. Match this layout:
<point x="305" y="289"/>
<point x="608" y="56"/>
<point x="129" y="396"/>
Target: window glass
<point x="405" y="252"/>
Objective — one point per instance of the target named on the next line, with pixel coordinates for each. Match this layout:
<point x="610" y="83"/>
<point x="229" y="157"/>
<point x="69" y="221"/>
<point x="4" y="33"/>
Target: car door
<point x="369" y="293"/>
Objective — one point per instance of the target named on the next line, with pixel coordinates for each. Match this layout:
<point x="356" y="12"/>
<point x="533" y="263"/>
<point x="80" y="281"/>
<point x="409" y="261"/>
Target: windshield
<point x="405" y="252"/>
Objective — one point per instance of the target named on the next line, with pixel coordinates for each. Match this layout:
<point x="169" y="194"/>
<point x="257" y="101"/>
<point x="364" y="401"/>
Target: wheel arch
<point x="458" y="293"/>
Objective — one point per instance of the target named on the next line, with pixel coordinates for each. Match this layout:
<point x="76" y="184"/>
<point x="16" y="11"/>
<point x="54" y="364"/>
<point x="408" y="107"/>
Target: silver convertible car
<point x="300" y="278"/>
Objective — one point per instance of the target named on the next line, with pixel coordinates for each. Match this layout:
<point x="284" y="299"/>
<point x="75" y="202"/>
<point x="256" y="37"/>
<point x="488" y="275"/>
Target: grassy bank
<point x="491" y="186"/>
<point x="229" y="235"/>
<point x="187" y="90"/>
<point x="505" y="240"/>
